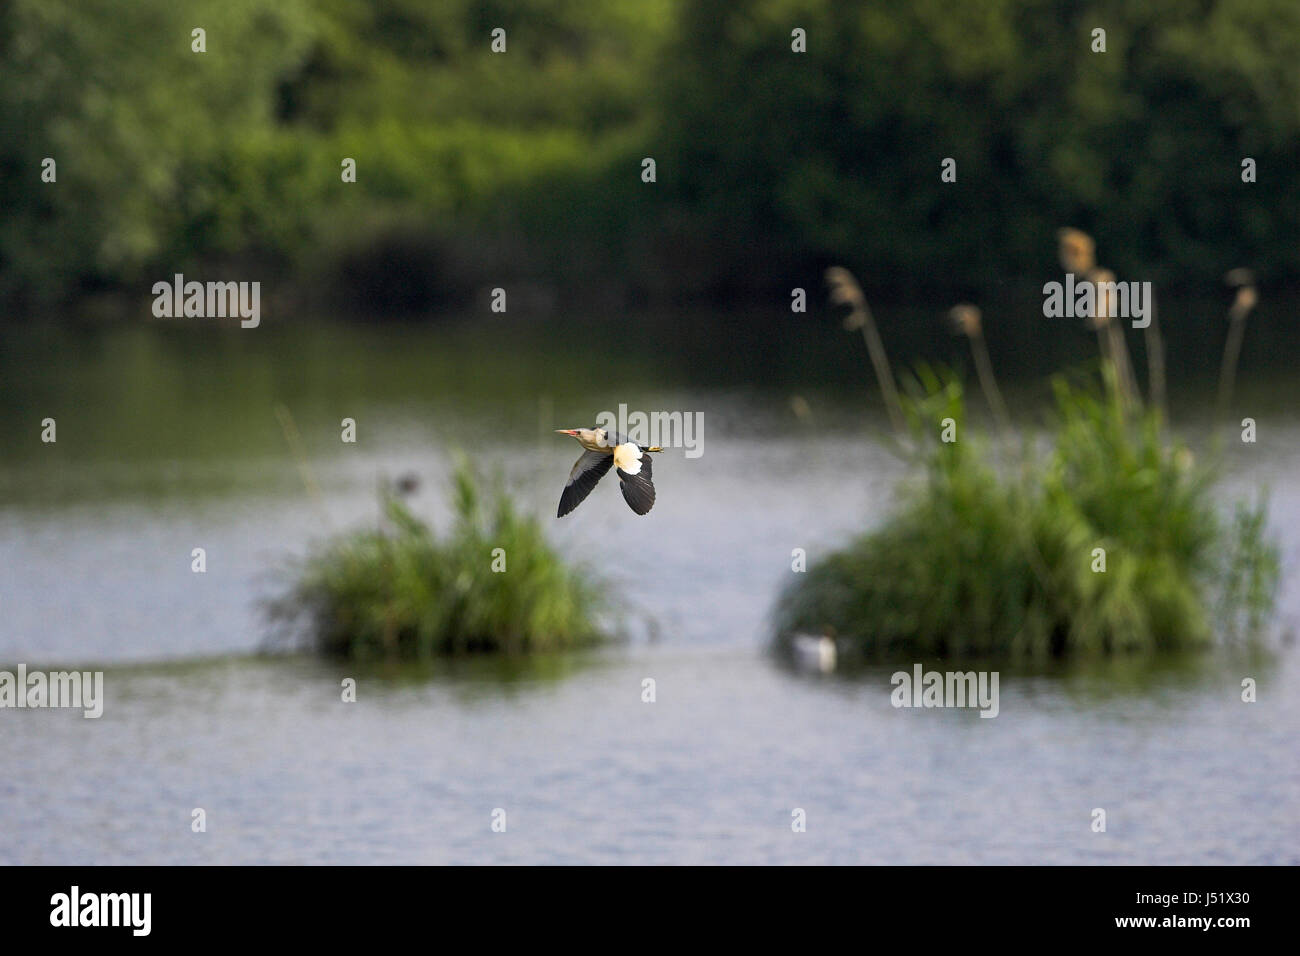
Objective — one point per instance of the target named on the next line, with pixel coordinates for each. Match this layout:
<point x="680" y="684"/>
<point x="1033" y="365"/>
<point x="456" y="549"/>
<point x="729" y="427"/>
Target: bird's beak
<point x="571" y="432"/>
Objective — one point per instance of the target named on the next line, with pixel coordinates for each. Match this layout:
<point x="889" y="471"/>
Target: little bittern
<point x="603" y="449"/>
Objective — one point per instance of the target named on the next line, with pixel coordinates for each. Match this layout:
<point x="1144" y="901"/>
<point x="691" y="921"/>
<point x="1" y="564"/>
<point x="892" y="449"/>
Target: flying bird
<point x="601" y="450"/>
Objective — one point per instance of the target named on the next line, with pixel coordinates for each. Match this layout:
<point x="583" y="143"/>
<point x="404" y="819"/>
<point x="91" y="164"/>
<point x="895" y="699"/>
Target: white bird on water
<point x="813" y="653"/>
<point x="603" y="449"/>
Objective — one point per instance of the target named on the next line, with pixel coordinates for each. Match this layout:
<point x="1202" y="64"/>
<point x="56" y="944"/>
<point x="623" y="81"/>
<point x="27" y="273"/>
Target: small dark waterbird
<point x="601" y="450"/>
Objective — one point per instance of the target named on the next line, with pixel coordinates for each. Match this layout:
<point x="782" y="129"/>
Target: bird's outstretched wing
<point x="638" y="490"/>
<point x="587" y="470"/>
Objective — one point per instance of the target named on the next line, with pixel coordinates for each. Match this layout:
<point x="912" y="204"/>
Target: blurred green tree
<point x="835" y="154"/>
<point x="771" y="163"/>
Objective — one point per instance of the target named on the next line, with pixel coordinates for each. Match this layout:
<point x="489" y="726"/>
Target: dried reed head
<point x="1247" y="298"/>
<point x="1243" y="280"/>
<point x="965" y="320"/>
<point x="846" y="291"/>
<point x="1077" y="251"/>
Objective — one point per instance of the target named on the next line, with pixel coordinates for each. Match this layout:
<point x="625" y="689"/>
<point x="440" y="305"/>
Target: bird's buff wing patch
<point x="637" y="486"/>
<point x="587" y="470"/>
<point x="627" y="458"/>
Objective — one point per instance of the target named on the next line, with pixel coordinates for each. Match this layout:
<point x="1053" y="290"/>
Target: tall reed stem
<point x="299" y="451"/>
<point x="845" y="290"/>
<point x="888" y="389"/>
<point x="1155" y="361"/>
<point x="1114" y="347"/>
<point x="1241" y="307"/>
<point x="992" y="393"/>
<point x="967" y="320"/>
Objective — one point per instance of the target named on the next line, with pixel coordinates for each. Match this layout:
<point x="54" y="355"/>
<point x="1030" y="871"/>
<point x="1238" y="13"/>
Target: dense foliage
<point x="477" y="167"/>
<point x="1112" y="541"/>
<point x="400" y="591"/>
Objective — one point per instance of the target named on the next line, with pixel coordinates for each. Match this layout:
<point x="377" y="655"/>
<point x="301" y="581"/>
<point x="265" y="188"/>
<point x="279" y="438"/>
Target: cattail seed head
<point x="1077" y="251"/>
<point x="846" y="291"/>
<point x="1247" y="298"/>
<point x="1243" y="280"/>
<point x="965" y="319"/>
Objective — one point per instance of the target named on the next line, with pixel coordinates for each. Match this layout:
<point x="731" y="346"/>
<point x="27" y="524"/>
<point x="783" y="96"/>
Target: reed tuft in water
<point x="1109" y="542"/>
<point x="400" y="591"/>
<point x="1108" y="539"/>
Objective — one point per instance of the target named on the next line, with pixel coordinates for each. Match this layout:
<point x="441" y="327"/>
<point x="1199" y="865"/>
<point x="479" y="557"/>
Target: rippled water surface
<point x="167" y="443"/>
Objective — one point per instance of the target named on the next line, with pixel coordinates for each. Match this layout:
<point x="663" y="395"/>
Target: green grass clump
<point x="996" y="560"/>
<point x="398" y="591"/>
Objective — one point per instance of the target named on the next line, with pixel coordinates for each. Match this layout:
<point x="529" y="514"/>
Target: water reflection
<point x="167" y="441"/>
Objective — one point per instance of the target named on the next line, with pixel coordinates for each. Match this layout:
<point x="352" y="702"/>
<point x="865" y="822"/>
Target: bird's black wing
<point x="587" y="470"/>
<point x="638" y="490"/>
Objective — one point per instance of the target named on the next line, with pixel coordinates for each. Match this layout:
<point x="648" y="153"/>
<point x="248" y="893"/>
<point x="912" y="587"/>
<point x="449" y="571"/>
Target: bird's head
<point x="587" y="437"/>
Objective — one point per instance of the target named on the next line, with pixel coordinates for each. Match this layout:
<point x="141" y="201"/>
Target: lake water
<point x="167" y="441"/>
